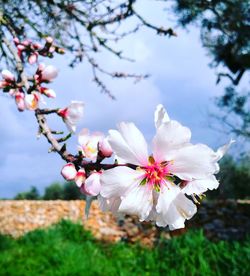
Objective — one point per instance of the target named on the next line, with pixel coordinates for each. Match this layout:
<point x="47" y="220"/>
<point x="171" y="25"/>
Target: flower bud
<point x="92" y="185"/>
<point x="69" y="171"/>
<point x="7" y="75"/>
<point x="49" y="39"/>
<point x="48" y="92"/>
<point x="33" y="58"/>
<point x="19" y="98"/>
<point x="49" y="73"/>
<point x="80" y="177"/>
<point x="16" y="40"/>
<point x="105" y="149"/>
<point x="21" y="47"/>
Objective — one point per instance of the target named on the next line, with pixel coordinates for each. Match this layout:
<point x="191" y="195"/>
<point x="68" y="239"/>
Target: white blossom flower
<point x="72" y="114"/>
<point x="90" y="144"/>
<point x="147" y="186"/>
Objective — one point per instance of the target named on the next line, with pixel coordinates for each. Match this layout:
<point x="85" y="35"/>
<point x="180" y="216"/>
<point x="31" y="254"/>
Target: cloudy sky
<point x="180" y="79"/>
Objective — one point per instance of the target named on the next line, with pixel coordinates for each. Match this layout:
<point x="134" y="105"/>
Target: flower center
<point x="156" y="174"/>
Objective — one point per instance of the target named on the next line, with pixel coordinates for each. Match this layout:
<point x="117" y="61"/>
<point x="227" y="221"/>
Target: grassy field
<point x="67" y="249"/>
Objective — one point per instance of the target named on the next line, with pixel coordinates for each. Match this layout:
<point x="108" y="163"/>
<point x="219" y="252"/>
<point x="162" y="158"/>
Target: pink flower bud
<point x="69" y="171"/>
<point x="21" y="47"/>
<point x="7" y="75"/>
<point x="92" y="185"/>
<point x="2" y="84"/>
<point x="49" y="39"/>
<point x="32" y="100"/>
<point x="52" y="49"/>
<point x="37" y="46"/>
<point x="49" y="73"/>
<point x="33" y="58"/>
<point x="19" y="98"/>
<point x="48" y="92"/>
<point x="16" y="40"/>
<point x="26" y="42"/>
<point x="105" y="149"/>
<point x="80" y="177"/>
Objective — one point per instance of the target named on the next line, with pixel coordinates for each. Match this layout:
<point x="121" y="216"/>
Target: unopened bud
<point x="33" y="58"/>
<point x="69" y="171"/>
<point x="105" y="149"/>
<point x="19" y="98"/>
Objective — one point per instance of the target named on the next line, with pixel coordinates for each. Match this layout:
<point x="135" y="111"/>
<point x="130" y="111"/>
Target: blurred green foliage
<point x="234" y="178"/>
<point x="66" y="191"/>
<point x="67" y="249"/>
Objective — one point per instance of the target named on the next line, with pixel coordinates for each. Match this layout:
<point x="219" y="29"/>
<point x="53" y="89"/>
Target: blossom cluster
<point x="162" y="183"/>
<point x="162" y="186"/>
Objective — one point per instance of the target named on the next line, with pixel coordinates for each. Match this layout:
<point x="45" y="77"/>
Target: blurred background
<point x="191" y="56"/>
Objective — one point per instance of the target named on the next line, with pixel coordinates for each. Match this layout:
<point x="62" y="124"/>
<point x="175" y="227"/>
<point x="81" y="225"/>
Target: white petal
<point x="194" y="162"/>
<point x="135" y="141"/>
<point x="161" y="116"/>
<point x="116" y="182"/>
<point x="129" y="144"/>
<point x="174" y="208"/>
<point x="139" y="202"/>
<point x="222" y="150"/>
<point x="201" y="185"/>
<point x="169" y="137"/>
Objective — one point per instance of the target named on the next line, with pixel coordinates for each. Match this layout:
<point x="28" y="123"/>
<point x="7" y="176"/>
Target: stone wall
<point x="220" y="220"/>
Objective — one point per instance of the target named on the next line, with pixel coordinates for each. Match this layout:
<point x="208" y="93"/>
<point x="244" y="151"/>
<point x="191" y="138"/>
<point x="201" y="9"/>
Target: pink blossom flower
<point x="72" y="114"/>
<point x="150" y="191"/>
<point x="69" y="171"/>
<point x="89" y="143"/>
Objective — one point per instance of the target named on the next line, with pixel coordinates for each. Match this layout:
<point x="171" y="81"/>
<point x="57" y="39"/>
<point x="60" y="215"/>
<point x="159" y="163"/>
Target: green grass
<point x="67" y="249"/>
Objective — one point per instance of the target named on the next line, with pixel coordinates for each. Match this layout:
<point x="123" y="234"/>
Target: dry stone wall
<point x="220" y="220"/>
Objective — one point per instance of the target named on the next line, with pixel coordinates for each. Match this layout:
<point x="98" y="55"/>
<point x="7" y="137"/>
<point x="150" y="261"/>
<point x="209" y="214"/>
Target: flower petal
<point x="161" y="116"/>
<point x="135" y="140"/>
<point x="115" y="182"/>
<point x="201" y="185"/>
<point x="174" y="208"/>
<point x="129" y="144"/>
<point x="169" y="137"/>
<point x="222" y="150"/>
<point x="139" y="201"/>
<point x="194" y="162"/>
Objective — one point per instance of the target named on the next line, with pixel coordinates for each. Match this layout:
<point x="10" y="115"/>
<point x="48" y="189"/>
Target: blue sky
<point x="180" y="79"/>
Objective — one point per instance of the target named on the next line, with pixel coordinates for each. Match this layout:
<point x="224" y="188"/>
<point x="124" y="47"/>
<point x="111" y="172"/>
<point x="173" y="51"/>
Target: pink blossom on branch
<point x="72" y="114"/>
